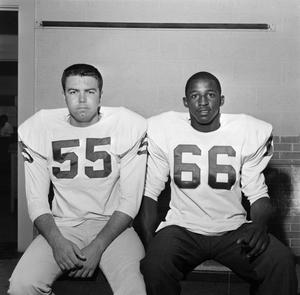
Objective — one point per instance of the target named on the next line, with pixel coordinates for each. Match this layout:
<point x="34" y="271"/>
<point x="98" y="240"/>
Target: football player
<point x="95" y="157"/>
<point x="211" y="158"/>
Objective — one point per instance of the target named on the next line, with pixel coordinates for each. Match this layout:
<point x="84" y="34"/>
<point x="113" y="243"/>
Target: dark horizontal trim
<point x="82" y="24"/>
<point x="8" y="22"/>
<point x="8" y="68"/>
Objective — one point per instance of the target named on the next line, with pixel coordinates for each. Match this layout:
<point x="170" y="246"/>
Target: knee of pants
<point x="285" y="259"/>
<point x="153" y="269"/>
<point x="280" y="261"/>
<point x="281" y="255"/>
<point x="23" y="286"/>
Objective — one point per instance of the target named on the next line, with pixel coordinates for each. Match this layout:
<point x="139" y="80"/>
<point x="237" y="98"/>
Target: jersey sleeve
<point x="132" y="150"/>
<point x="258" y="150"/>
<point x="37" y="182"/>
<point x="33" y="132"/>
<point x="157" y="171"/>
<point x="132" y="178"/>
<point x="157" y="164"/>
<point x="32" y="135"/>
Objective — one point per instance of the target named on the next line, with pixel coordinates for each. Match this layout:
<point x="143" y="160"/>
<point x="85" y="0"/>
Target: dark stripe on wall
<point x="81" y="24"/>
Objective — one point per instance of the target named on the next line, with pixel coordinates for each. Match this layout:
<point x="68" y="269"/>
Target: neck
<point x="210" y="127"/>
<point x="77" y="123"/>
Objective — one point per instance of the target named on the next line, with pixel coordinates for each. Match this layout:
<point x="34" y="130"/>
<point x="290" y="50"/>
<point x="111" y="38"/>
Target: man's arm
<point x="146" y="221"/>
<point x="261" y="211"/>
<point x="255" y="238"/>
<point x="67" y="255"/>
<point x="118" y="222"/>
<point x="257" y="155"/>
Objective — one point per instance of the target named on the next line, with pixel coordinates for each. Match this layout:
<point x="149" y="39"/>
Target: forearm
<point x="147" y="221"/>
<point x="118" y="222"/>
<point x="261" y="211"/>
<point x="48" y="229"/>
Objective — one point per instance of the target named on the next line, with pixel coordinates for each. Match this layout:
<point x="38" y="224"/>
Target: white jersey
<point x="95" y="170"/>
<point x="208" y="171"/>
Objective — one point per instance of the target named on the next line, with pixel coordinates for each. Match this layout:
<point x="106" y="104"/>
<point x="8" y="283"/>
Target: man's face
<point x="204" y="101"/>
<point x="82" y="95"/>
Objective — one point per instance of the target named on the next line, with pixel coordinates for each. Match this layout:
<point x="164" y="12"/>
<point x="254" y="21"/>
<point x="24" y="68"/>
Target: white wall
<point x="146" y="69"/>
<point x="26" y="73"/>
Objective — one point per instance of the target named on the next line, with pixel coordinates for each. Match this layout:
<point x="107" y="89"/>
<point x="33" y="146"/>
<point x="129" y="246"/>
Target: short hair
<point x="203" y="76"/>
<point x="81" y="70"/>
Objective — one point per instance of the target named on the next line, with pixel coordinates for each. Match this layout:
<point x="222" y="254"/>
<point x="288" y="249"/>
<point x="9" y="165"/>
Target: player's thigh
<point x="227" y="251"/>
<point x="37" y="264"/>
<point x="276" y="255"/>
<point x="124" y="251"/>
<point x="174" y="245"/>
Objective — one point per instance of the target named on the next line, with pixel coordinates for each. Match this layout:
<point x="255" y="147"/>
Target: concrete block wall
<point x="283" y="179"/>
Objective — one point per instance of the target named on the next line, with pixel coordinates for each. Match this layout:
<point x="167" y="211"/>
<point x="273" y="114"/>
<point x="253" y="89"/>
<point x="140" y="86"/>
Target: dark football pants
<point x="176" y="251"/>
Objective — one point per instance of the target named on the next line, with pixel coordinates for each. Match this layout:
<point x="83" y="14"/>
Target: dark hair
<point x="81" y="70"/>
<point x="203" y="76"/>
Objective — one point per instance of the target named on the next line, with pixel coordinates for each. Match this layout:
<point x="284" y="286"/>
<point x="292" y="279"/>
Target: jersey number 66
<point x="213" y="167"/>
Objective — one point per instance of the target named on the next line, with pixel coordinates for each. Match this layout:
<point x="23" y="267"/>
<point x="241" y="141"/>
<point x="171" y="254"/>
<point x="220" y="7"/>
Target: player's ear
<point x="185" y="102"/>
<point x="100" y="96"/>
<point x="63" y="94"/>
<point x="222" y="100"/>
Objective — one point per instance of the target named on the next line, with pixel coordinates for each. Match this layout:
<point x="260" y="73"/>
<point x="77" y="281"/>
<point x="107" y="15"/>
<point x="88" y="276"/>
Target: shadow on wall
<point x="280" y="191"/>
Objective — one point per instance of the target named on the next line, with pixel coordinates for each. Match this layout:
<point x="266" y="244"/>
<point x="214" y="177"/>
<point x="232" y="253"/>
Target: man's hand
<point x="254" y="239"/>
<point x="93" y="254"/>
<point x="67" y="255"/>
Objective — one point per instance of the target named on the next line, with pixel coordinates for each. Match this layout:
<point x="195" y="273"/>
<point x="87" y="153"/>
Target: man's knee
<point x="148" y="267"/>
<point x="155" y="269"/>
<point x="285" y="258"/>
<point x="21" y="285"/>
<point x="280" y="254"/>
<point x="276" y="259"/>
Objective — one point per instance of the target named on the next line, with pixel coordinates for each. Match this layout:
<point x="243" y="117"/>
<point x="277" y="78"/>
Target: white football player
<point x="95" y="157"/>
<point x="211" y="159"/>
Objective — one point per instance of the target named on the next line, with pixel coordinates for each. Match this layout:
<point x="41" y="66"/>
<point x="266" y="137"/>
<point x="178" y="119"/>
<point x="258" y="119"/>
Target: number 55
<point x="90" y="154"/>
